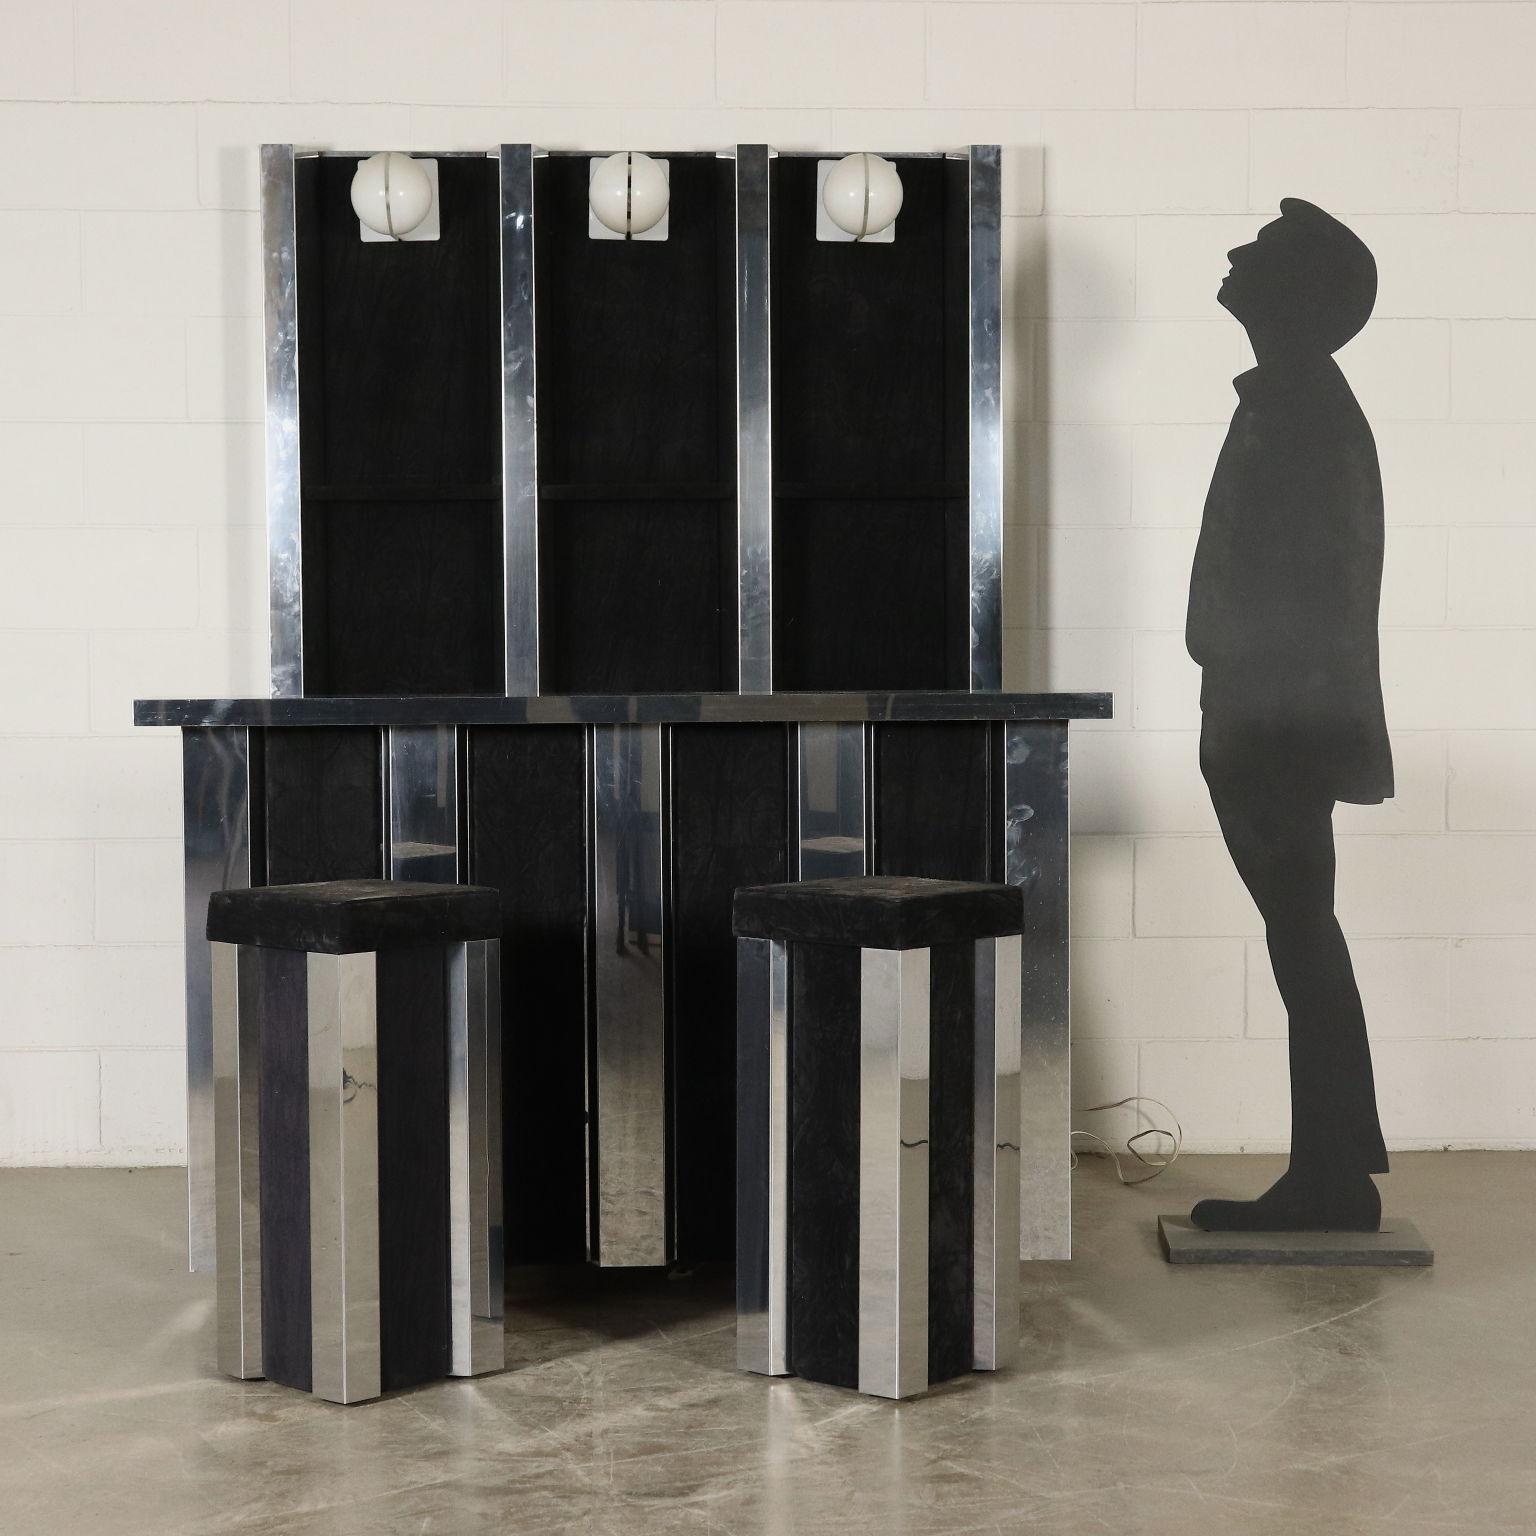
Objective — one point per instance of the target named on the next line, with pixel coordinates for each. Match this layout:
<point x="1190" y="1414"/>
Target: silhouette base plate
<point x="1398" y="1245"/>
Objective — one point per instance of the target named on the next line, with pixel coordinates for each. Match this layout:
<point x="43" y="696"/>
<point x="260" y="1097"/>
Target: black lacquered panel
<point x="951" y="1153"/>
<point x="637" y="436"/>
<point x="323" y="804"/>
<point x="527" y="838"/>
<point x="933" y="810"/>
<point x="870" y="352"/>
<point x="400" y="436"/>
<point x="413" y="1166"/>
<point x="729" y="826"/>
<point x="274" y="994"/>
<point x="824" y="1164"/>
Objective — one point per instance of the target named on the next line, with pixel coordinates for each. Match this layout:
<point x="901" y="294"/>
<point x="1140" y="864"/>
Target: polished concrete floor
<point x="1149" y="1399"/>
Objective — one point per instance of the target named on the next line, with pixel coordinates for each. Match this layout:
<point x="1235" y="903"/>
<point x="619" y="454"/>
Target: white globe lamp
<point x="391" y="194"/>
<point x="862" y="195"/>
<point x="628" y="193"/>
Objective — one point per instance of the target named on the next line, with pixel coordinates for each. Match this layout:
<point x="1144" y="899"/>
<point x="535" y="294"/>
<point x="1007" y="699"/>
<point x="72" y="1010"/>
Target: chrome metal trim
<point x="280" y="307"/>
<point x="476" y="1250"/>
<point x="216" y="829"/>
<point x="519" y="424"/>
<point x="422" y="800"/>
<point x="629" y="996"/>
<point x="830" y="801"/>
<point x="995" y="1266"/>
<point x="237" y="1133"/>
<point x="893" y="1171"/>
<point x="1035" y="829"/>
<point x="344" y="1175"/>
<point x="762" y="1157"/>
<point x="625" y="709"/>
<point x="754" y="424"/>
<point x="986" y="418"/>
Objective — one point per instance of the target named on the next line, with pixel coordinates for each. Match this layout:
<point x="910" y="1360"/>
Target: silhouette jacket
<point x="1286" y="585"/>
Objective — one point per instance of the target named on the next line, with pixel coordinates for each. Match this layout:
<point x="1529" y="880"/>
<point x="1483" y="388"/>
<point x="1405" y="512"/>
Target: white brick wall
<point x="1144" y="140"/>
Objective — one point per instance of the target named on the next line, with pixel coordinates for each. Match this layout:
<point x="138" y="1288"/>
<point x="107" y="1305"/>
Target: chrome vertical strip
<point x="477" y="1340"/>
<point x="893" y="1171"/>
<point x="754" y="425"/>
<point x="1035" y="827"/>
<point x="995" y="1315"/>
<point x="629" y="996"/>
<point x="216" y="823"/>
<point x="344" y="1175"/>
<point x="280" y="305"/>
<point x="519" y="407"/>
<point x="237" y="1132"/>
<point x="762" y="1156"/>
<point x="986" y="428"/>
<point x="422" y="767"/>
<point x="829" y="801"/>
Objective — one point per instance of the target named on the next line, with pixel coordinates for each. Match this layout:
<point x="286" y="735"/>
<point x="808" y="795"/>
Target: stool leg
<point x="995" y="1330"/>
<point x="477" y="1334"/>
<point x="344" y="1175"/>
<point x="237" y="1169"/>
<point x="893" y="1171"/>
<point x="762" y="1157"/>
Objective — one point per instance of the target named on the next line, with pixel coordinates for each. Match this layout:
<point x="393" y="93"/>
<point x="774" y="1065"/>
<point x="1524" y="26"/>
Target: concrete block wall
<point x="1144" y="139"/>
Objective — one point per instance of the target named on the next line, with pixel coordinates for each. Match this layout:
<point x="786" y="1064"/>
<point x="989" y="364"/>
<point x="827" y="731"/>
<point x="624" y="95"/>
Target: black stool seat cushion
<point x="878" y="911"/>
<point x="343" y="917"/>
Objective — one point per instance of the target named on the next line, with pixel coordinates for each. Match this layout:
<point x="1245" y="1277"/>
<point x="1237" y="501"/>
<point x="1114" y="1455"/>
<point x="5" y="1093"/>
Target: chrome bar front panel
<point x="237" y="1137"/>
<point x="216" y="821"/>
<point x="754" y="424"/>
<point x="422" y="800"/>
<point x="519" y="442"/>
<point x="831" y="804"/>
<point x="280" y="305"/>
<point x="986" y="418"/>
<point x="762" y="1157"/>
<point x="995" y="1267"/>
<point x="476" y="1248"/>
<point x="344" y="1175"/>
<point x="629" y="996"/>
<point x="1035" y="832"/>
<point x="893" y="1171"/>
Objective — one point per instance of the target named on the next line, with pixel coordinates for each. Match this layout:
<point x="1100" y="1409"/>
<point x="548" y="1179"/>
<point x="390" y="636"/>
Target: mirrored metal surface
<point x="280" y="306"/>
<point x="893" y="1171"/>
<point x="754" y="424"/>
<point x="995" y="1267"/>
<point x="519" y="441"/>
<point x="629" y="1025"/>
<point x="476" y="1252"/>
<point x="237" y="1136"/>
<point x="762" y="1157"/>
<point x="216" y="821"/>
<point x="422" y="767"/>
<point x="624" y="708"/>
<point x="830" y="801"/>
<point x="344" y="1175"/>
<point x="1035" y="826"/>
<point x="986" y="413"/>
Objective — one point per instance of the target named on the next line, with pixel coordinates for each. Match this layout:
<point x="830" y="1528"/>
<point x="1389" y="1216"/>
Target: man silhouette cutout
<point x="1283" y="601"/>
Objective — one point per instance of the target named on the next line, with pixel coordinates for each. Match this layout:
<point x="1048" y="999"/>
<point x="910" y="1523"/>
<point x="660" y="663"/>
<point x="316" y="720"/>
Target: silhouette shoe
<point x="1344" y="1202"/>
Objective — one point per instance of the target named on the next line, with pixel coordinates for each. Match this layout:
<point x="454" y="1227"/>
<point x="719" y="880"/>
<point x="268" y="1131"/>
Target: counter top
<point x="623" y="709"/>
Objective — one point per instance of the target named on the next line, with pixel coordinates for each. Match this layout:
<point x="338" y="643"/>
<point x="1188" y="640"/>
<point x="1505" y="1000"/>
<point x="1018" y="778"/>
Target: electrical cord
<point x="1157" y="1162"/>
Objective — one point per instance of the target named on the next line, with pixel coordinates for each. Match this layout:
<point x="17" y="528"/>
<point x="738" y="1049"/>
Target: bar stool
<point x="357" y="1129"/>
<point x="877" y="1159"/>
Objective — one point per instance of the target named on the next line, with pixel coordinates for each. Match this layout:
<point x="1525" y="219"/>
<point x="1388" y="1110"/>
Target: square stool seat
<point x="878" y="1058"/>
<point x="357" y="1134"/>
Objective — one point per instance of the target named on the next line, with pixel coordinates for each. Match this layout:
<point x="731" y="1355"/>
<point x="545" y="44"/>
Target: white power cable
<point x="1158" y="1161"/>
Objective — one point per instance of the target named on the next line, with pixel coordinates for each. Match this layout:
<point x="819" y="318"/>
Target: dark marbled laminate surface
<point x="343" y="917"/>
<point x="878" y="911"/>
<point x="951" y="1157"/>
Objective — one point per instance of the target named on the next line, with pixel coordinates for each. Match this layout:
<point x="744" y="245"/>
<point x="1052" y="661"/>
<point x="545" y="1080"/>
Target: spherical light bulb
<point x="629" y="193"/>
<point x="862" y="195"/>
<point x="391" y="193"/>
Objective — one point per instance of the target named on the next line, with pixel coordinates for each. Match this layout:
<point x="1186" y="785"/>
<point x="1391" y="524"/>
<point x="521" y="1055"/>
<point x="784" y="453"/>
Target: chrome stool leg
<point x="237" y="1164"/>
